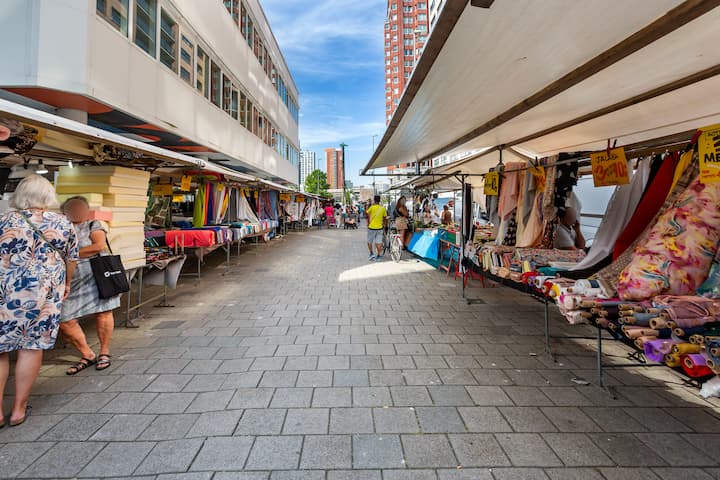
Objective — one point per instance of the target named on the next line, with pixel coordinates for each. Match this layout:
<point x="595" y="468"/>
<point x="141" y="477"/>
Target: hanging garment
<point x="549" y="210"/>
<point x="522" y="199"/>
<point x="510" y="237"/>
<point x="199" y="211"/>
<point x="608" y="276"/>
<point x="533" y="232"/>
<point x="653" y="198"/>
<point x="619" y="211"/>
<point x="510" y="188"/>
<point x="244" y="210"/>
<point x="567" y="176"/>
<point x="675" y="256"/>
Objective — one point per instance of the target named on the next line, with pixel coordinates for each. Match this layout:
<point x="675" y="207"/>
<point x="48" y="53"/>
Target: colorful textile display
<point x="510" y="189"/>
<point x="675" y="256"/>
<point x="190" y="238"/>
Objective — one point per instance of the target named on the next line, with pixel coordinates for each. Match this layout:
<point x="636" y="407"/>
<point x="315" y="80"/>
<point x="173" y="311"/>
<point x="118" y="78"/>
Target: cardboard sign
<point x="162" y="190"/>
<point x="299" y="199"/>
<point x="539" y="174"/>
<point x="285" y="197"/>
<point x="178" y="198"/>
<point x="185" y="183"/>
<point x="709" y="153"/>
<point x="492" y="183"/>
<point x="609" y="170"/>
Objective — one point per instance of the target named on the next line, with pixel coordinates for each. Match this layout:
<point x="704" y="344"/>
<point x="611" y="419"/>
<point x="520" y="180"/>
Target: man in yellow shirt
<point x="376" y="221"/>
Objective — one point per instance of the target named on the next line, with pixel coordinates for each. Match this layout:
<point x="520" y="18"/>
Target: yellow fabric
<point x="683" y="164"/>
<point x="376" y="214"/>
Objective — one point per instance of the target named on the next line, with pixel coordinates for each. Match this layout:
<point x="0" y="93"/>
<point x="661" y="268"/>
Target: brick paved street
<point x="305" y="361"/>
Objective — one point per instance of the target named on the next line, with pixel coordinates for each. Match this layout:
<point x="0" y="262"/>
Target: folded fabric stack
<point x="116" y="195"/>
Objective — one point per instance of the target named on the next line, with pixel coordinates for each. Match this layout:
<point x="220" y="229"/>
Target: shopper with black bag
<point x="87" y="295"/>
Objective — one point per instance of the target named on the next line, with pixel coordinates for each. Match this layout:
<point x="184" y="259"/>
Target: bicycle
<point x="393" y="243"/>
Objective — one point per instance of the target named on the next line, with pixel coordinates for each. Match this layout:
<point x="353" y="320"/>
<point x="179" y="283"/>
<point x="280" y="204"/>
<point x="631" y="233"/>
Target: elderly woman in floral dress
<point x="38" y="254"/>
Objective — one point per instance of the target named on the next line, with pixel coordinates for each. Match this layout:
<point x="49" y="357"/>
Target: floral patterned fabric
<point x="32" y="279"/>
<point x="675" y="256"/>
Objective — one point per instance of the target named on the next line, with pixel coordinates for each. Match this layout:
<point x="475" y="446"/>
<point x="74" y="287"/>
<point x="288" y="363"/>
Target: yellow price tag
<point x="299" y="199"/>
<point x="539" y="174"/>
<point x="162" y="190"/>
<point x="285" y="197"/>
<point x="492" y="183"/>
<point x="609" y="170"/>
<point x="185" y="183"/>
<point x="709" y="153"/>
<point x="178" y="198"/>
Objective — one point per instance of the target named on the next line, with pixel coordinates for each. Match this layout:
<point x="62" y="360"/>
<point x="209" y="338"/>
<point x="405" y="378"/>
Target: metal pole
<point x="462" y="234"/>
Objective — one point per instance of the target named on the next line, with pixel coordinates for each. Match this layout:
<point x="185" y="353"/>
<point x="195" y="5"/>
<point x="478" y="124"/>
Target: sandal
<point x="20" y="421"/>
<point x="81" y="365"/>
<point x="103" y="361"/>
<point x="2" y="421"/>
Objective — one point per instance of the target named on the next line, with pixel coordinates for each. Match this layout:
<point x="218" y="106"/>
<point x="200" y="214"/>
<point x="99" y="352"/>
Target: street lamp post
<point x="342" y="146"/>
<point x="373" y="151"/>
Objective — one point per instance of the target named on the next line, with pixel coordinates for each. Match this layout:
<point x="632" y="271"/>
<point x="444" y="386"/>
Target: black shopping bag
<point x="109" y="275"/>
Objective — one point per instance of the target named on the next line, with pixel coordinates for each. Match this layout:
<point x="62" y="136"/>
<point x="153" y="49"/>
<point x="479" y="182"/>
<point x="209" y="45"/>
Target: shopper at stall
<point x="446" y="217"/>
<point x="402" y="215"/>
<point x="338" y="215"/>
<point x="376" y="221"/>
<point x="427" y="215"/>
<point x="329" y="214"/>
<point x="84" y="298"/>
<point x="38" y="252"/>
<point x="568" y="235"/>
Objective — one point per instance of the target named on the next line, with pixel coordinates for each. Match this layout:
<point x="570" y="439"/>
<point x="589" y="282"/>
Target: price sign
<point x="162" y="190"/>
<point x="178" y="198"/>
<point x="285" y="197"/>
<point x="709" y="153"/>
<point x="492" y="183"/>
<point x="539" y="174"/>
<point x="299" y="199"/>
<point x="609" y="169"/>
<point x="185" y="183"/>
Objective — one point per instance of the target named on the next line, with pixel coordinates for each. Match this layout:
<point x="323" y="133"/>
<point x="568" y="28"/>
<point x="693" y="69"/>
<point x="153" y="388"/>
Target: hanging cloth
<point x="510" y="189"/>
<point x="620" y="209"/>
<point x="199" y="211"/>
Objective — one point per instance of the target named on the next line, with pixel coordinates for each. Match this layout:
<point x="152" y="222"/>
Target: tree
<point x="316" y="182"/>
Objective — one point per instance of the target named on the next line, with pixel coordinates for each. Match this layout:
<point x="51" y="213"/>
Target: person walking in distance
<point x="376" y="221"/>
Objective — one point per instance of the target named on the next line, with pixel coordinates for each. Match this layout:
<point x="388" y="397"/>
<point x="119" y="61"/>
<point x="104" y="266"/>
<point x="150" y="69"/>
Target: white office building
<point x="308" y="163"/>
<point x="201" y="77"/>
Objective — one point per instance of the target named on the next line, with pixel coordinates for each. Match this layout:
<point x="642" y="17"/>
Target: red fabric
<point x="190" y="238"/>
<point x="650" y="204"/>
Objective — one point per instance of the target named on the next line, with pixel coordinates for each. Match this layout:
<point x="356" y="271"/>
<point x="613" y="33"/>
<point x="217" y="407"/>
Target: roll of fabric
<point x="688" y="332"/>
<point x="633" y="333"/>
<point x="686" y="348"/>
<point x="656" y="350"/>
<point x="697" y="339"/>
<point x="673" y="360"/>
<point x="661" y="322"/>
<point x="695" y="365"/>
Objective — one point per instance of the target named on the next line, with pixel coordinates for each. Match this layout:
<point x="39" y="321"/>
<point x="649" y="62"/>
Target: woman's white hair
<point x="34" y="191"/>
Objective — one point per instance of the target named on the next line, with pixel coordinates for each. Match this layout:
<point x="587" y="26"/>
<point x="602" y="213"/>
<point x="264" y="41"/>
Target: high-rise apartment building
<point x="335" y="167"/>
<point x="308" y="164"/>
<point x="406" y="31"/>
<point x="435" y="7"/>
<point x="205" y="78"/>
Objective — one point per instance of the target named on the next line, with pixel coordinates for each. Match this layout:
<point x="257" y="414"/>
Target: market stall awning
<point x="557" y="75"/>
<point x="73" y="130"/>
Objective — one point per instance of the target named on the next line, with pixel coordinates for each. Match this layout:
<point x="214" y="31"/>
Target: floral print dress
<point x="32" y="278"/>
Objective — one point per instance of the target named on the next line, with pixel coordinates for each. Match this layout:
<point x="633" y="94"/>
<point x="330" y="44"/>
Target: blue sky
<point x="335" y="51"/>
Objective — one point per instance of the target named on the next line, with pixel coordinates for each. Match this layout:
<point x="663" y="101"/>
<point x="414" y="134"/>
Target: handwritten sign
<point x="609" y="169"/>
<point x="492" y="183"/>
<point x="299" y="199"/>
<point x="185" y="183"/>
<point x="162" y="190"/>
<point x="178" y="198"/>
<point x="539" y="174"/>
<point x="285" y="197"/>
<point x="709" y="153"/>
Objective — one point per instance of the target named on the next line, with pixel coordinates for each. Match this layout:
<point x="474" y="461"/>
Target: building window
<point x="215" y="84"/>
<point x="226" y="94"/>
<point x="145" y="21"/>
<point x="115" y="12"/>
<point x="202" y="77"/>
<point x="168" y="41"/>
<point x="234" y="107"/>
<point x="422" y="16"/>
<point x="187" y="52"/>
<point x="247" y="27"/>
<point x="233" y="9"/>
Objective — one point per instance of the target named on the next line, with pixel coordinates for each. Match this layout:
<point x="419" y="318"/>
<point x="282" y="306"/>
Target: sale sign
<point x="609" y="168"/>
<point x="492" y="183"/>
<point x="709" y="153"/>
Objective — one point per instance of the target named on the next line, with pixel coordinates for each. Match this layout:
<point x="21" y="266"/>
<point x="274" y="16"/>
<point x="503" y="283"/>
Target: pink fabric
<point x="190" y="238"/>
<point x="675" y="256"/>
<point x="510" y="188"/>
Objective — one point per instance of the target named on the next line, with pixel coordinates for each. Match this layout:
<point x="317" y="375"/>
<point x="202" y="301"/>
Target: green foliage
<point x="316" y="182"/>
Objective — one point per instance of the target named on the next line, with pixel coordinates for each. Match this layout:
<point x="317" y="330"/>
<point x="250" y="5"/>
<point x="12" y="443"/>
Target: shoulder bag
<point x="109" y="274"/>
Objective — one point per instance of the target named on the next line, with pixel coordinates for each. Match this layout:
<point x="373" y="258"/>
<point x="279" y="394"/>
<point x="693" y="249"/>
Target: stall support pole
<point x="548" y="348"/>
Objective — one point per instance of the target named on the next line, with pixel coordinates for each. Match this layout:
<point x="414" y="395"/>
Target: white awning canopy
<point x="557" y="75"/>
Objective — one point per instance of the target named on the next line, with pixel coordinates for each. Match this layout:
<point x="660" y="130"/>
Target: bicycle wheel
<point x="396" y="249"/>
<point x="386" y="241"/>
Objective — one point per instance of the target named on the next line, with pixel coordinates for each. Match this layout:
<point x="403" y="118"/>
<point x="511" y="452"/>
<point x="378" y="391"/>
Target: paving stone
<point x="519" y="474"/>
<point x="386" y="378"/>
<point x="450" y="396"/>
<point x="326" y="452"/>
<point x="291" y="398"/>
<point x="168" y="383"/>
<point x="474" y="450"/>
<point x="117" y="459"/>
<point x="527" y="419"/>
<point x="677" y="452"/>
<point x="484" y="419"/>
<point x="275" y="453"/>
<point x="428" y="451"/>
<point x="620" y="473"/>
<point x="675" y="473"/>
<point x="377" y="451"/>
<point x="81" y="403"/>
<point x="306" y="421"/>
<point x="170" y="403"/>
<point x="205" y="383"/>
<point x="16" y="457"/>
<point x="371" y="396"/>
<point x="123" y="428"/>
<point x="528" y="396"/>
<point x="527" y="450"/>
<point x="251" y="398"/>
<point x="173" y="456"/>
<point x="205" y="367"/>
<point x="242" y="476"/>
<point x="576" y="450"/>
<point x="168" y="365"/>
<point x="570" y="419"/>
<point x="242" y="380"/>
<point x="409" y="475"/>
<point x="466" y="474"/>
<point x="655" y="420"/>
<point x="350" y="378"/>
<point x="131" y="383"/>
<point x="410" y="396"/>
<point x="439" y="419"/>
<point x="285" y="378"/>
<point x="298" y="475"/>
<point x="261" y="422"/>
<point x="395" y="420"/>
<point x="169" y="427"/>
<point x="623" y="449"/>
<point x="573" y="474"/>
<point x="489" y="396"/>
<point x="210" y="401"/>
<point x="215" y="424"/>
<point x="354" y="475"/>
<point x="76" y="427"/>
<point x="310" y="378"/>
<point x="332" y="397"/>
<point x="223" y="453"/>
<point x="351" y="420"/>
<point x="421" y="377"/>
<point x="64" y="459"/>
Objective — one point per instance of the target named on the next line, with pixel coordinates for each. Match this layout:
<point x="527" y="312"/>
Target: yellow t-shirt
<point x="376" y="214"/>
